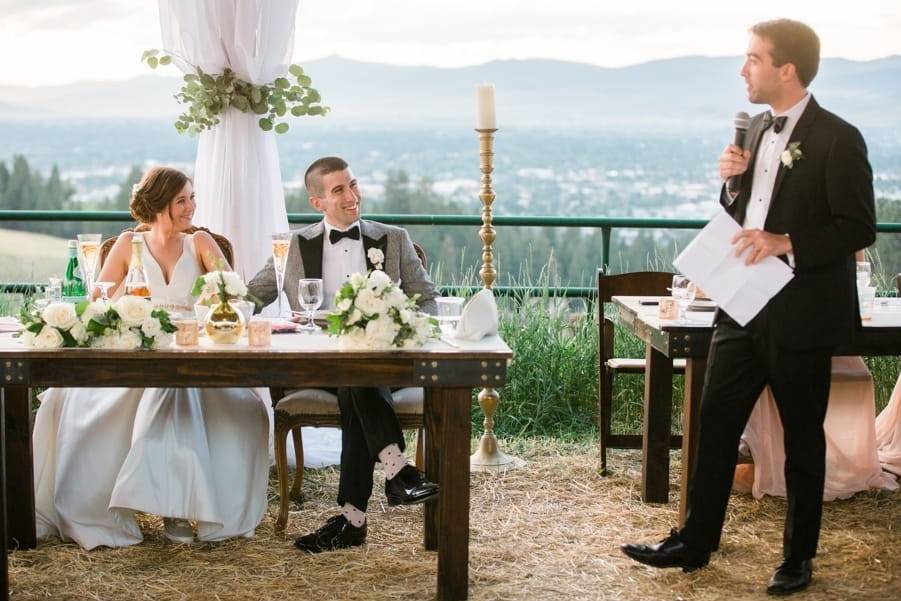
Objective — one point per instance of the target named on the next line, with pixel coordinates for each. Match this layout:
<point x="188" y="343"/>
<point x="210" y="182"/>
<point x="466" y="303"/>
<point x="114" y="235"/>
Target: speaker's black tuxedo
<point x="824" y="202"/>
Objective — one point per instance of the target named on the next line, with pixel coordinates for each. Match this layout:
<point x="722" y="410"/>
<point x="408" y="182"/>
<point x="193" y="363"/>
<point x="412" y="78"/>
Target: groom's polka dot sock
<point x="353" y="515"/>
<point x="392" y="460"/>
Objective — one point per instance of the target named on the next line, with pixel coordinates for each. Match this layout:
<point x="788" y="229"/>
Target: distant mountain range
<point x="667" y="94"/>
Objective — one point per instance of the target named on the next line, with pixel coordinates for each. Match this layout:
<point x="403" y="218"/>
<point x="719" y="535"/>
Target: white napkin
<point x="9" y="324"/>
<point x="479" y="317"/>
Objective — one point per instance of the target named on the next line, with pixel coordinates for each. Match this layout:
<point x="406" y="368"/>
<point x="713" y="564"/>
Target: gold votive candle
<point x="259" y="332"/>
<point x="187" y="332"/>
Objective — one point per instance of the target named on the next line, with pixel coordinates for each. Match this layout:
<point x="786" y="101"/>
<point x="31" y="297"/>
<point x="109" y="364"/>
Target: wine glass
<point x="684" y="293"/>
<point x="104" y="290"/>
<point x="309" y="293"/>
<point x="864" y="271"/>
<point x="89" y="257"/>
<point x="280" y="245"/>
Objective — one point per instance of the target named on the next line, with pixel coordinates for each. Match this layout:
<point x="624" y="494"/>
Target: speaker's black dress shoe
<point x="671" y="552"/>
<point x="790" y="577"/>
<point x="409" y="487"/>
<point x="337" y="533"/>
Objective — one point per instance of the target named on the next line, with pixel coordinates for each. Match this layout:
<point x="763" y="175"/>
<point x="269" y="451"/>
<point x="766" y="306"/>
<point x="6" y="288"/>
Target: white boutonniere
<point x="376" y="257"/>
<point x="791" y="154"/>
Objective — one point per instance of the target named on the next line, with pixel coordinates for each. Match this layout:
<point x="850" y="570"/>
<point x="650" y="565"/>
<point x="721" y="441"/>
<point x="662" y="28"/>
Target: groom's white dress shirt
<point x="339" y="261"/>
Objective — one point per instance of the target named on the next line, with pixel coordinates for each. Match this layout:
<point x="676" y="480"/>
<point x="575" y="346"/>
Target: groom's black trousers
<point x="368" y="425"/>
<point x="741" y="361"/>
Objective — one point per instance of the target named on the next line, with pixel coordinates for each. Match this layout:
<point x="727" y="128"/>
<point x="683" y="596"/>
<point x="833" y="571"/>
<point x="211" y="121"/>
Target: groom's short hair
<point x="312" y="179"/>
<point x="793" y="42"/>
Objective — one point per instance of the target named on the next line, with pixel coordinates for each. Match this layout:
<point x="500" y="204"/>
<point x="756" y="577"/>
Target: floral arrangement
<point x="207" y="96"/>
<point x="372" y="312"/>
<point x="128" y="324"/>
<point x="218" y="286"/>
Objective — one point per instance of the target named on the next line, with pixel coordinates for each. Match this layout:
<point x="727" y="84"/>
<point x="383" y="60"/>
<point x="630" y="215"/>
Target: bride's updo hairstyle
<point x="157" y="189"/>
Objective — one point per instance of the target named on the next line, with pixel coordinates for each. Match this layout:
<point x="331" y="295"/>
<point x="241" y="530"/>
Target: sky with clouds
<point x="46" y="42"/>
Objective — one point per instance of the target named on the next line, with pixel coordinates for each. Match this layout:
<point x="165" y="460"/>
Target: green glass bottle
<point x="73" y="285"/>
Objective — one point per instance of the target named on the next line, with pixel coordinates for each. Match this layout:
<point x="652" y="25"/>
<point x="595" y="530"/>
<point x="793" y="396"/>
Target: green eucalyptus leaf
<point x="281" y="128"/>
<point x="295" y="70"/>
<point x="255" y="96"/>
<point x="316" y="110"/>
<point x="281" y="109"/>
<point x="152" y="62"/>
<point x="304" y="80"/>
<point x="265" y="124"/>
<point x="281" y="83"/>
<point x="299" y="111"/>
<point x="165" y="60"/>
<point x="261" y="108"/>
<point x="240" y="103"/>
<point x="313" y="95"/>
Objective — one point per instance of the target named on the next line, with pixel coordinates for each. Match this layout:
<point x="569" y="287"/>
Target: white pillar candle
<point x="485" y="100"/>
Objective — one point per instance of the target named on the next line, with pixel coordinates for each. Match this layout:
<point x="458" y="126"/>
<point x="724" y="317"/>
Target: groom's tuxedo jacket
<point x="824" y="202"/>
<point x="305" y="261"/>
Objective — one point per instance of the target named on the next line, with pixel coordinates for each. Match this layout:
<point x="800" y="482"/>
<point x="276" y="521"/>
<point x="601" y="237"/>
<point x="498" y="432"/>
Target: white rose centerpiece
<point x="372" y="312"/>
<point x="131" y="323"/>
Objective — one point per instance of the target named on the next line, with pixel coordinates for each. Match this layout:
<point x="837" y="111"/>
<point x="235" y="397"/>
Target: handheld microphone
<point x="742" y="122"/>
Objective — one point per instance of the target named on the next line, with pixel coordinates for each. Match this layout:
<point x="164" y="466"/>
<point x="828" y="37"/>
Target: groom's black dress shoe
<point x="409" y="487"/>
<point x="337" y="533"/>
<point x="671" y="552"/>
<point x="790" y="577"/>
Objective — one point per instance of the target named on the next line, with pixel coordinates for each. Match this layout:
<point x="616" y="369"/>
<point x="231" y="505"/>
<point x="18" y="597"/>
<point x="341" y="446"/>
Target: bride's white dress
<point x="103" y="454"/>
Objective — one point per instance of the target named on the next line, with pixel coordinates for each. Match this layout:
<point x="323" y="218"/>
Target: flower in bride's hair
<point x="59" y="315"/>
<point x="133" y="310"/>
<point x="136" y="189"/>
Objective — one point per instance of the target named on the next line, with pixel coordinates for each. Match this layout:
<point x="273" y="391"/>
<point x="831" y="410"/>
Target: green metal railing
<point x="606" y="225"/>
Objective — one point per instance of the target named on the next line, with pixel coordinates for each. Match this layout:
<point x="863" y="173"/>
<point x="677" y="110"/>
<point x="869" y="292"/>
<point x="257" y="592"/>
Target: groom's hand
<point x="733" y="161"/>
<point x="761" y="244"/>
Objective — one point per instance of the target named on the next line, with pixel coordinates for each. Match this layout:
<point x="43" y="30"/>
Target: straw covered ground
<point x="549" y="531"/>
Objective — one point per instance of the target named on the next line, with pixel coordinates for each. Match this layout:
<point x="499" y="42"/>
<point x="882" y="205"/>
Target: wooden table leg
<point x="691" y="415"/>
<point x="453" y="500"/>
<point x="19" y="462"/>
<point x="4" y="569"/>
<point x="431" y="415"/>
<point x="657" y="427"/>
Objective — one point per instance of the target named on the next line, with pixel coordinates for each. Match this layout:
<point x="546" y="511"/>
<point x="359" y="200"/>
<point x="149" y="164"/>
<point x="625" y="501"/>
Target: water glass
<point x="54" y="290"/>
<point x="449" y="310"/>
<point x="309" y="293"/>
<point x="864" y="273"/>
<point x="867" y="297"/>
<point x="684" y="293"/>
<point x="245" y="307"/>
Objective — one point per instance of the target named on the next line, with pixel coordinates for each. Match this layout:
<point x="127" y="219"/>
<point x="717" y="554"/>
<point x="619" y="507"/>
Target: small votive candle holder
<point x="668" y="309"/>
<point x="187" y="332"/>
<point x="259" y="332"/>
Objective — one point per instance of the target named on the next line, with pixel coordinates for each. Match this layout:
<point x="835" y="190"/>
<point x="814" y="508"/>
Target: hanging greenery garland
<point x="207" y="96"/>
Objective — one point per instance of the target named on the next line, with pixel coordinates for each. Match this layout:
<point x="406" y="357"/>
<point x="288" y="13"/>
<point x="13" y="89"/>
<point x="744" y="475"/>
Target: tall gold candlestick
<point x="488" y="457"/>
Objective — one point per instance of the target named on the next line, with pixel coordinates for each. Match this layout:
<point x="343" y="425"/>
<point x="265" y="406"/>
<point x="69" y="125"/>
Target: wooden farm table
<point x="448" y="374"/>
<point x="668" y="340"/>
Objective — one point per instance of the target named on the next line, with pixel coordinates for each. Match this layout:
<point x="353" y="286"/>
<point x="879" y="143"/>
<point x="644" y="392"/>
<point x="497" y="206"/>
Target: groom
<point x="333" y="249"/>
<point x="806" y="197"/>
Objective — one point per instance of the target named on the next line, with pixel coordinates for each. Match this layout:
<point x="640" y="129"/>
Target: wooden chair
<point x="224" y="245"/>
<point x="318" y="408"/>
<point x="641" y="283"/>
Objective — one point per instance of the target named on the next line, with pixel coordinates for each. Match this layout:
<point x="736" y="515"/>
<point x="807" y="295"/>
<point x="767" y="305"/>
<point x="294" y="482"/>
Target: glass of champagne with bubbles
<point x="89" y="257"/>
<point x="280" y="245"/>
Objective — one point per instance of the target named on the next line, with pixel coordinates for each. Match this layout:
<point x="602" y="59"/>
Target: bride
<point x="185" y="454"/>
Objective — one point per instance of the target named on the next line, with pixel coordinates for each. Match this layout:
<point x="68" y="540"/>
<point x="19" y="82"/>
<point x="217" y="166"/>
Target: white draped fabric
<point x="237" y="175"/>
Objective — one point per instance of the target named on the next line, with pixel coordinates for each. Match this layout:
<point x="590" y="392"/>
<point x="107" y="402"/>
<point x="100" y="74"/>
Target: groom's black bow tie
<point x="335" y="235"/>
<point x="777" y="123"/>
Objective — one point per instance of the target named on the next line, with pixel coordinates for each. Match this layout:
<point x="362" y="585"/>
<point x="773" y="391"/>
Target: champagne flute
<point x="684" y="293"/>
<point x="280" y="245"/>
<point x="89" y="257"/>
<point x="309" y="293"/>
